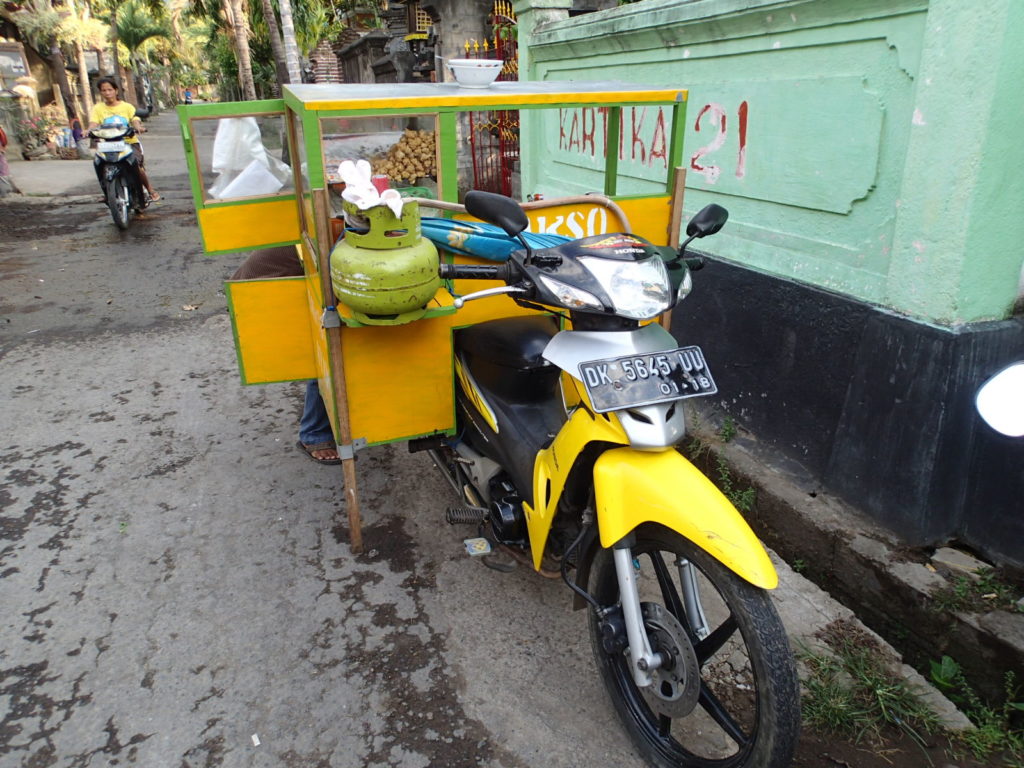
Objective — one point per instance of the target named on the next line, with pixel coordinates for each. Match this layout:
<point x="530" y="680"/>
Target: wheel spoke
<point x="714" y="708"/>
<point x="668" y="587"/>
<point x="710" y="645"/>
<point x="737" y="707"/>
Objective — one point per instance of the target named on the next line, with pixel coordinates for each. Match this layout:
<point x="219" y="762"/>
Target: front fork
<point x="643" y="658"/>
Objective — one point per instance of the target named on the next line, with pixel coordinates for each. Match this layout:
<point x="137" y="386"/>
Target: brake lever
<point x="461" y="300"/>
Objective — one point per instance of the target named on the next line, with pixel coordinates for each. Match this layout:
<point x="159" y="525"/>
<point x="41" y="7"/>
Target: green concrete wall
<point x="864" y="146"/>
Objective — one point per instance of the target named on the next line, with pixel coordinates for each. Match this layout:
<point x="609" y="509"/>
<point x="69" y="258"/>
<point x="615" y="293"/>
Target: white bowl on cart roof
<point x="475" y="73"/>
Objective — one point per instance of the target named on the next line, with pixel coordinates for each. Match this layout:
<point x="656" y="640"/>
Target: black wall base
<point x="876" y="407"/>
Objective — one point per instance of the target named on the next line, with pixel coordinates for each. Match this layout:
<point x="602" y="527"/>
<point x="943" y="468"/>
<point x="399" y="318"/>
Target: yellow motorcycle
<point x="564" y="456"/>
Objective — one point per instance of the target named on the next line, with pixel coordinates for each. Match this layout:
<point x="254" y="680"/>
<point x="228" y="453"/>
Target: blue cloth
<point x="475" y="238"/>
<point x="314" y="426"/>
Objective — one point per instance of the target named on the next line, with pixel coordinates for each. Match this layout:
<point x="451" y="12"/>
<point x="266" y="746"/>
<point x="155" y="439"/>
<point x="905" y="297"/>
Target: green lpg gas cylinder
<point x="387" y="274"/>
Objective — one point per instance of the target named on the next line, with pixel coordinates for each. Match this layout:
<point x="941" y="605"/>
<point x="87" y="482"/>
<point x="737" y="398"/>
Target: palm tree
<point x="82" y="31"/>
<point x="188" y="35"/>
<point x="135" y="26"/>
<point x="276" y="45"/>
<point x="113" y="8"/>
<point x="291" y="49"/>
<point x="233" y="17"/>
<point x="238" y="17"/>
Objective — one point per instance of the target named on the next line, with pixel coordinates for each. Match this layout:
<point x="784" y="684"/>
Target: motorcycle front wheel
<point x="119" y="201"/>
<point x="728" y="695"/>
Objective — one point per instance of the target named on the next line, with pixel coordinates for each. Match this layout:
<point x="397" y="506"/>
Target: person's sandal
<point x="309" y="450"/>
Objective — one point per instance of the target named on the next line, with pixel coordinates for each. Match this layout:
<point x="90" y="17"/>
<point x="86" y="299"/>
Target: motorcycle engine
<point x="508" y="522"/>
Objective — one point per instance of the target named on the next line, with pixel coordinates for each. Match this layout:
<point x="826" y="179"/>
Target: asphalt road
<point x="175" y="578"/>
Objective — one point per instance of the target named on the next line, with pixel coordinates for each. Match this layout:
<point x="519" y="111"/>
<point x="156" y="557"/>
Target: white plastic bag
<point x="254" y="179"/>
<point x="237" y="146"/>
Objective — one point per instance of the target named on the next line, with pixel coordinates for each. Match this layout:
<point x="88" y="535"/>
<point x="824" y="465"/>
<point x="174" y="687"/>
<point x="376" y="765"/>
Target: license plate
<point x="111" y="146"/>
<point x="653" y="377"/>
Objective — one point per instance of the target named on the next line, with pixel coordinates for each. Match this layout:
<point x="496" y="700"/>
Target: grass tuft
<point x="998" y="729"/>
<point x="985" y="591"/>
<point x="742" y="499"/>
<point x="852" y="692"/>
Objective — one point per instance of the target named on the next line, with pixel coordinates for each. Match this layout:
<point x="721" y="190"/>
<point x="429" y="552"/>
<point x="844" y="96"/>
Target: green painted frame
<point x="189" y="112"/>
<point x="309" y="118"/>
<point x="447" y="118"/>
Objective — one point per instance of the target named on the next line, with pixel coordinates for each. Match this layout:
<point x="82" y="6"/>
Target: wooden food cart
<point x="264" y="174"/>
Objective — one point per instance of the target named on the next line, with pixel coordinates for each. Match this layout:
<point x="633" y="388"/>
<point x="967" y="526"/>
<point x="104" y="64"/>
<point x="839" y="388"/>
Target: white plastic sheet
<point x="242" y="165"/>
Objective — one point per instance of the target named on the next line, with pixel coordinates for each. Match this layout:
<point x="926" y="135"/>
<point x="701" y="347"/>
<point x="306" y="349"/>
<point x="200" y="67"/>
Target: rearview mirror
<point x="497" y="209"/>
<point x="707" y="221"/>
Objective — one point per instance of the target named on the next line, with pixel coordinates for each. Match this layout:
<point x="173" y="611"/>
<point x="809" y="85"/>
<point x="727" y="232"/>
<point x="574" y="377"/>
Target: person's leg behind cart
<point x="316" y="437"/>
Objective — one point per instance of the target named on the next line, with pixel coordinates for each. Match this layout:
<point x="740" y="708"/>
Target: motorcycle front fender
<point x="633" y="487"/>
<point x="555" y="463"/>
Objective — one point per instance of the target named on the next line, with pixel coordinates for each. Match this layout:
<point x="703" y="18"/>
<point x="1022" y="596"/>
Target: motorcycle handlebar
<point x="474" y="272"/>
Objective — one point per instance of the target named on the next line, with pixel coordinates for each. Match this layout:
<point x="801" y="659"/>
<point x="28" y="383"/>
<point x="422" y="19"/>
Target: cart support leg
<point x="337" y="375"/>
<point x="355" y="525"/>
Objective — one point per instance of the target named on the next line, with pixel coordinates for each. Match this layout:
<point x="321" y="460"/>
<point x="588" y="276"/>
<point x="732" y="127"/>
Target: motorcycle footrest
<point x="465" y="515"/>
<point x="477" y="547"/>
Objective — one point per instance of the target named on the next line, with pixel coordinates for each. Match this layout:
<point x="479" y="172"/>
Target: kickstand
<point x="499" y="561"/>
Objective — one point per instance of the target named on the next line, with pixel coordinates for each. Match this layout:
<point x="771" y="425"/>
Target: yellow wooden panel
<point x="576" y="220"/>
<point x="399" y="379"/>
<point x="270" y="319"/>
<point x="648" y="217"/>
<point x="249" y="225"/>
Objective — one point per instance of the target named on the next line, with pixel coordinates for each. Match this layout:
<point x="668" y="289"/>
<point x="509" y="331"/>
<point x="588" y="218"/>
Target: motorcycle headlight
<point x="569" y="296"/>
<point x="638" y="289"/>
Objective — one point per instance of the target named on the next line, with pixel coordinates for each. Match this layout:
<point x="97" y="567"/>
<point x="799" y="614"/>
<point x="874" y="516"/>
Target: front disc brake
<point x="675" y="685"/>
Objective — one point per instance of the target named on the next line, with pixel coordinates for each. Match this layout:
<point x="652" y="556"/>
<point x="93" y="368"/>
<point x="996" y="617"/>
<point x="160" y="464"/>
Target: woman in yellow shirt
<point x="112" y="106"/>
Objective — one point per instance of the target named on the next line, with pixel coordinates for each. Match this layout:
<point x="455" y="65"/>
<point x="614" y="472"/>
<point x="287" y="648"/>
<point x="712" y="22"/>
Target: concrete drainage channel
<point x="896" y="592"/>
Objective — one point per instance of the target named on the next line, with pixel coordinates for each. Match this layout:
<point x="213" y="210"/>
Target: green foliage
<point x="36" y="130"/>
<point x="852" y="692"/>
<point x="191" y="36"/>
<point x="728" y="429"/>
<point x="984" y="591"/>
<point x="696" y="449"/>
<point x="998" y="729"/>
<point x="221" y="67"/>
<point x="136" y="25"/>
<point x="89" y="31"/>
<point x="38" y="22"/>
<point x="945" y="673"/>
<point x="744" y="499"/>
<point x="314" y="21"/>
<point x="799" y="565"/>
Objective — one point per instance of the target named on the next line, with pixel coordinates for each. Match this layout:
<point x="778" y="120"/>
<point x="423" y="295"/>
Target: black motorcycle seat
<point x="510" y="342"/>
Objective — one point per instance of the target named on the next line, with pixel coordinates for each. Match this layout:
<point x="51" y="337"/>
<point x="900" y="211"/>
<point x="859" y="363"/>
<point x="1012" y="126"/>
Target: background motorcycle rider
<point x="112" y="106"/>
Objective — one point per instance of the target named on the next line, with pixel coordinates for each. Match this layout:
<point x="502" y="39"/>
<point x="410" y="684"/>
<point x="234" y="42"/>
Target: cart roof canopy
<point x="363" y="96"/>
